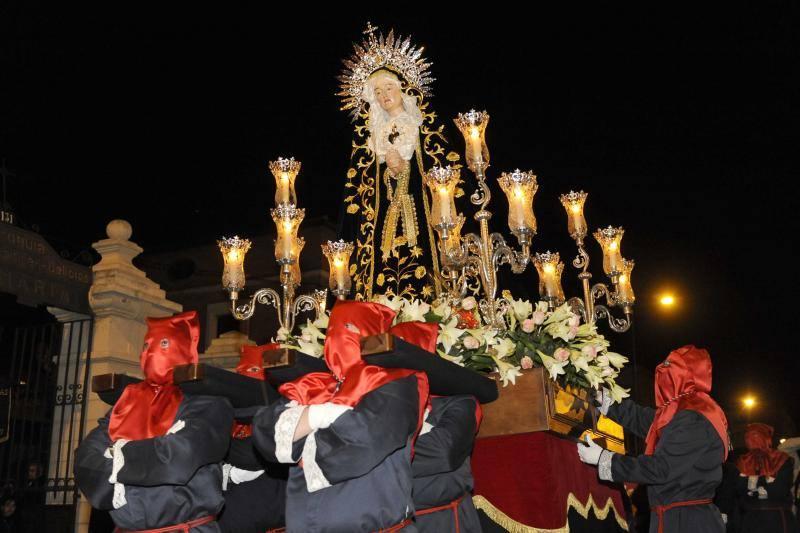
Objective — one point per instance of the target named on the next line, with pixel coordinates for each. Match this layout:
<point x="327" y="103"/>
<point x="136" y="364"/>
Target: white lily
<point x="616" y="360"/>
<point x="593" y="376"/>
<point x="553" y="367"/>
<point x="542" y="307"/>
<point x="449" y="333"/>
<point x="507" y="371"/>
<point x="617" y="392"/>
<point x="457" y="359"/>
<point x="504" y="348"/>
<point x="414" y="311"/>
<point x="558" y="330"/>
<point x="485" y="335"/>
<point x="579" y="360"/>
<point x="322" y="321"/>
<point x="522" y="309"/>
<point x="442" y="309"/>
<point x="395" y="303"/>
<point x="562" y="313"/>
<point x="281" y="335"/>
<point x="313" y="348"/>
<point x="312" y="331"/>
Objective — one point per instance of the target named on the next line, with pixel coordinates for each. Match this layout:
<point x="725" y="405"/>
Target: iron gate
<point x="45" y="371"/>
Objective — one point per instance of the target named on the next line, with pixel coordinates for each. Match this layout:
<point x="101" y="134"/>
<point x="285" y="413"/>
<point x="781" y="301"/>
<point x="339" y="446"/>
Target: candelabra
<point x="479" y="256"/>
<point x="287" y="217"/>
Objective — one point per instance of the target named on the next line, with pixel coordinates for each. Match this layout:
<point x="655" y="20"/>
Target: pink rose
<point x="528" y="325"/>
<point x="471" y="343"/>
<point x="468" y="303"/>
<point x="590" y="351"/>
<point x="573" y="331"/>
<point x="561" y="355"/>
<point x="607" y="372"/>
<point x="574" y="322"/>
<point x="526" y="362"/>
<point x="538" y="317"/>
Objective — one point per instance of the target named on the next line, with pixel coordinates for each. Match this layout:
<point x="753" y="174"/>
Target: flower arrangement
<point x="574" y="354"/>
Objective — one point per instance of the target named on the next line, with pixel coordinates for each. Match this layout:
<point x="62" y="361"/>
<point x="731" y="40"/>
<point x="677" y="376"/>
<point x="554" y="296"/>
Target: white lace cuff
<point x="226" y="475"/>
<point x="315" y="479"/>
<point x="118" y="461"/>
<point x="176" y="427"/>
<point x="284" y="432"/>
<point x="606" y="403"/>
<point x="604" y="465"/>
<point x="426" y="427"/>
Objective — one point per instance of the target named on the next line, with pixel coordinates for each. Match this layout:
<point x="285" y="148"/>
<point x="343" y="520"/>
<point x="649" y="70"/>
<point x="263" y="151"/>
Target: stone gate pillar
<point x="121" y="297"/>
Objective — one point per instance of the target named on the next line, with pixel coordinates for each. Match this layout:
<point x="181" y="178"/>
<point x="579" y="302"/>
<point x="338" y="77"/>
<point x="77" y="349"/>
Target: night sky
<point x="681" y="125"/>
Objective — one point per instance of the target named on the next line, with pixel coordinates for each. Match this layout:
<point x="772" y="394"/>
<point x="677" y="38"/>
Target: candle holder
<point x="288" y="245"/>
<point x="338" y="254"/>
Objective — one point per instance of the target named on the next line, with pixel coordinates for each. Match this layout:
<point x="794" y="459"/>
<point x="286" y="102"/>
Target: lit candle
<point x="573" y="204"/>
<point x="444" y="205"/>
<point x="233" y="252"/>
<point x="549" y="267"/>
<point x="287" y="220"/>
<point x="610" y="240"/>
<point x="520" y="189"/>
<point x="285" y="172"/>
<point x="625" y="294"/>
<point x="472" y="126"/>
<point x="338" y="254"/>
<point x="442" y="183"/>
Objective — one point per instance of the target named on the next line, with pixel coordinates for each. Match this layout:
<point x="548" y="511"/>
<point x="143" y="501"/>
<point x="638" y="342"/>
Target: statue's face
<point x="389" y="96"/>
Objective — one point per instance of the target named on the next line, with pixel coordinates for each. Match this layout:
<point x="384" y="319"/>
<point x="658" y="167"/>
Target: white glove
<point x="426" y="426"/>
<point x="239" y="475"/>
<point x="322" y="415"/>
<point x="603" y="397"/>
<point x="752" y="482"/>
<point x="762" y="493"/>
<point x="589" y="452"/>
<point x="176" y="427"/>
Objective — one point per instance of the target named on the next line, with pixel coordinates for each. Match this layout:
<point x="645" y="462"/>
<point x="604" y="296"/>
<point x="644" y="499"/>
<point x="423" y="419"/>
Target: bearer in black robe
<point x="443" y="480"/>
<point x="764" y="485"/>
<point x="687" y="442"/>
<point x="154" y="461"/>
<point x="254" y="489"/>
<point x="348" y="433"/>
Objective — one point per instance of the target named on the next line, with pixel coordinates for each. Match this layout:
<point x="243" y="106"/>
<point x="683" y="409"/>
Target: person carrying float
<point x="155" y="460"/>
<point x="764" y="484"/>
<point x="686" y="443"/>
<point x="348" y="432"/>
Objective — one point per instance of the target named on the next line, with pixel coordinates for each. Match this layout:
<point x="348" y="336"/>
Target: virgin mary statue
<point x="386" y="210"/>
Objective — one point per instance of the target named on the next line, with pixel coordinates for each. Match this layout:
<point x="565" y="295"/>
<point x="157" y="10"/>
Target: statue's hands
<point x="394" y="162"/>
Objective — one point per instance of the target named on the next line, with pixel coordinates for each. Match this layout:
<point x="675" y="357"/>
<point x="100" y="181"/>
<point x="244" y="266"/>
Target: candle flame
<point x="549" y="268"/>
<point x="519" y="193"/>
<point x="338" y="262"/>
<point x="613" y="245"/>
<point x="284" y="176"/>
<point x="575" y="208"/>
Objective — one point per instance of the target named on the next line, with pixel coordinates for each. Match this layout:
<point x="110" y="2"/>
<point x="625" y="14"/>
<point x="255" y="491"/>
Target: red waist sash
<point x="661" y="509"/>
<point x="184" y="527"/>
<point x="453" y="506"/>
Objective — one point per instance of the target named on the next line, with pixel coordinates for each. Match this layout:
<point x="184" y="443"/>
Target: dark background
<point x="682" y="126"/>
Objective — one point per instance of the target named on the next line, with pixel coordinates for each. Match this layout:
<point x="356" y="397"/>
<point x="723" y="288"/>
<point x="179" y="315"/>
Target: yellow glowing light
<point x="233" y="256"/>
<point x="749" y="402"/>
<point x="782" y="441"/>
<point x="613" y="245"/>
<point x="623" y="278"/>
<point x="442" y="190"/>
<point x="287" y="225"/>
<point x="284" y="176"/>
<point x="338" y="263"/>
<point x="475" y="133"/>
<point x="667" y="300"/>
<point x="575" y="208"/>
<point x="519" y="193"/>
<point x="548" y="268"/>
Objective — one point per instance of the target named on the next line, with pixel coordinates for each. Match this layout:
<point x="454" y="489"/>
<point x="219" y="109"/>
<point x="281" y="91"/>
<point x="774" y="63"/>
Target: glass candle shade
<point x="625" y="295"/>
<point x="576" y="223"/>
<point x="338" y="254"/>
<point x="285" y="172"/>
<point x="610" y="240"/>
<point x="472" y="126"/>
<point x="287" y="220"/>
<point x="233" y="250"/>
<point x="442" y="182"/>
<point x="520" y="188"/>
<point x="549" y="267"/>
